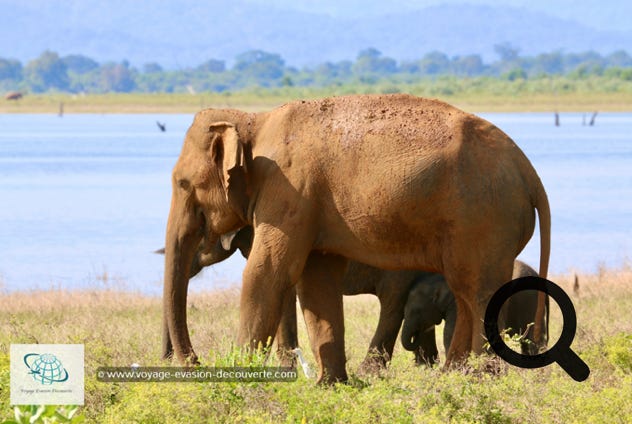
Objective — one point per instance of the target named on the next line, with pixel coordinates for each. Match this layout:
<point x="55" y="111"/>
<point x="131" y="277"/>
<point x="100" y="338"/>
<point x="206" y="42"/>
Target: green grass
<point x="479" y="94"/>
<point x="121" y="328"/>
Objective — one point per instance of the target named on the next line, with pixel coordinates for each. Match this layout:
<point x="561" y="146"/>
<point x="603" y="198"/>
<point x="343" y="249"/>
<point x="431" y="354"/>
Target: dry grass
<point x="473" y="99"/>
<point x="213" y="315"/>
<point x="120" y="328"/>
<point x="137" y="103"/>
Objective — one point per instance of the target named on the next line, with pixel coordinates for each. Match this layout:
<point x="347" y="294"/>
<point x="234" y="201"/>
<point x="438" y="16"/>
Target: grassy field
<point x="120" y="328"/>
<point x="471" y="94"/>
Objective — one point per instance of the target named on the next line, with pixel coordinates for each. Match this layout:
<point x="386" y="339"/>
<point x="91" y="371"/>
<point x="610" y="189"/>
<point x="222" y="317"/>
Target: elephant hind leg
<point x="320" y="294"/>
<point x="492" y="279"/>
<point x="473" y="285"/>
<point x="461" y="344"/>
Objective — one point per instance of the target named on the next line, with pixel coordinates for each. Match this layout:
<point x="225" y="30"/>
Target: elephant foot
<point x="456" y="361"/>
<point x="287" y="358"/>
<point x="189" y="360"/>
<point x="192" y="360"/>
<point x="527" y="347"/>
<point x="478" y="364"/>
<point x="494" y="365"/>
<point x="422" y="359"/>
<point x="167" y="349"/>
<point x="374" y="363"/>
<point x="329" y="378"/>
<point x="485" y="365"/>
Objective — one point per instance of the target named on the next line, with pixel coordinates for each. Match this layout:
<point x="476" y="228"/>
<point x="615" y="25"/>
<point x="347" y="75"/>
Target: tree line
<point x="256" y="68"/>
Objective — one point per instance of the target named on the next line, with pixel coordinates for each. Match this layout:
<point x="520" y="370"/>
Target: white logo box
<point x="47" y="374"/>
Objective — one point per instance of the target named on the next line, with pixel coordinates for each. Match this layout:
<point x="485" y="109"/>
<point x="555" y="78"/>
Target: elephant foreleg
<point x="260" y="310"/>
<point x="320" y="295"/>
<point x="427" y="353"/>
<point x="287" y="334"/>
<point x="274" y="265"/>
<point x="167" y="347"/>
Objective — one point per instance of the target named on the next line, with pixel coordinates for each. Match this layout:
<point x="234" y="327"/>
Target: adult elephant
<point x="394" y="181"/>
<point x="430" y="301"/>
<point x="390" y="287"/>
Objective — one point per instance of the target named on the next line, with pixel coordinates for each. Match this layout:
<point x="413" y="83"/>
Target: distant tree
<point x="152" y="68"/>
<point x="620" y="58"/>
<point x="261" y="66"/>
<point x="76" y="73"/>
<point x="326" y="71"/>
<point x="510" y="60"/>
<point x="584" y="70"/>
<point x="624" y="74"/>
<point x="371" y="54"/>
<point x="549" y="63"/>
<point x="212" y="65"/>
<point x="47" y="72"/>
<point x="506" y="51"/>
<point x="468" y="65"/>
<point x="329" y="73"/>
<point x="371" y="62"/>
<point x="582" y="64"/>
<point x="10" y="70"/>
<point x="515" y="74"/>
<point x="409" y="67"/>
<point x="79" y="64"/>
<point x="434" y="63"/>
<point x="117" y="77"/>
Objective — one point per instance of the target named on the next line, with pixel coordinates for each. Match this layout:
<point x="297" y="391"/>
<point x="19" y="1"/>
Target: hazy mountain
<point x="182" y="33"/>
<point x="606" y="15"/>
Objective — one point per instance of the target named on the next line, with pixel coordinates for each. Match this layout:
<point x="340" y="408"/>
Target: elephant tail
<point x="541" y="328"/>
<point x="546" y="334"/>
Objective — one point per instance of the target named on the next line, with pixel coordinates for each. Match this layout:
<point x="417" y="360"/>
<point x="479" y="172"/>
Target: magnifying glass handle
<point x="573" y="365"/>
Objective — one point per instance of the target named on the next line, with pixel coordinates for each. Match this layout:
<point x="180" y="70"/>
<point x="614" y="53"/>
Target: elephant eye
<point x="184" y="184"/>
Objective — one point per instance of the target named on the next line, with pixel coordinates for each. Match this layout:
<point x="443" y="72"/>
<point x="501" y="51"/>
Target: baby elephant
<point x="430" y="301"/>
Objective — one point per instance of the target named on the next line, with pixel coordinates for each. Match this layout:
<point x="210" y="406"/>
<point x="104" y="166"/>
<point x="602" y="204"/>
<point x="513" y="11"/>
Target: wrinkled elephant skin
<point x="393" y="181"/>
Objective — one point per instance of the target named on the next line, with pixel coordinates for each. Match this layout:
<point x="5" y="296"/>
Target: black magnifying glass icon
<point x="561" y="352"/>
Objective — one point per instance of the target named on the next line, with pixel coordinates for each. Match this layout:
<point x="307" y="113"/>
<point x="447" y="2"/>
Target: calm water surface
<point x="84" y="199"/>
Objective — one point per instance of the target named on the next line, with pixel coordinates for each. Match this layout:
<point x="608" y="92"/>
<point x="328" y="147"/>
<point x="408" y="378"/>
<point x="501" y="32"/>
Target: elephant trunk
<point x="181" y="245"/>
<point x="421" y="341"/>
<point x="410" y="335"/>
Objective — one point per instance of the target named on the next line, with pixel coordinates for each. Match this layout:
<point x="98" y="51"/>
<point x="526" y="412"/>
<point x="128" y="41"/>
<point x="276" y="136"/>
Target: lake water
<point x="84" y="199"/>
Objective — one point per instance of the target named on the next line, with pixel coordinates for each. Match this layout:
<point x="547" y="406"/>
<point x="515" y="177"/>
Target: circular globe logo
<point x="45" y="368"/>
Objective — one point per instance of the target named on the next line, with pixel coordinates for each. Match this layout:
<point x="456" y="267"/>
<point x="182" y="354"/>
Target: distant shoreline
<point x="186" y="103"/>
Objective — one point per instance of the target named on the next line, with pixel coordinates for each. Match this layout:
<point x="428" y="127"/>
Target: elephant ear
<point x="228" y="155"/>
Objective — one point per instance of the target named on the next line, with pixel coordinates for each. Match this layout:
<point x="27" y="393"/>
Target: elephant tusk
<point x="227" y="239"/>
<point x="413" y="341"/>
